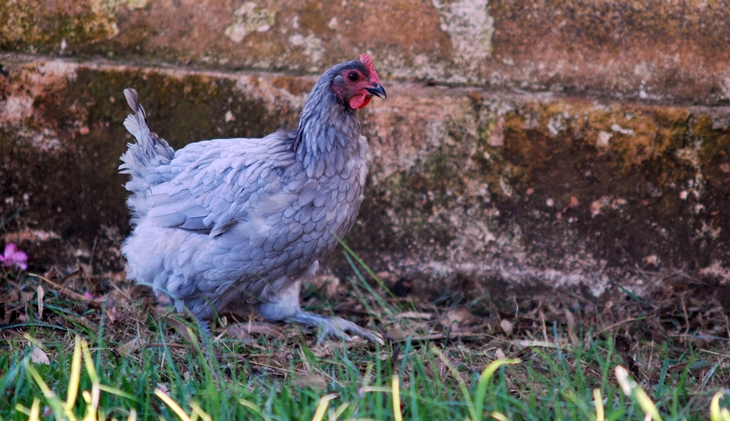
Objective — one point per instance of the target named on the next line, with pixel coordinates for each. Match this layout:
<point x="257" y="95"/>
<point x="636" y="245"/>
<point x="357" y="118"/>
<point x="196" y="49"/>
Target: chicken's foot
<point x="335" y="327"/>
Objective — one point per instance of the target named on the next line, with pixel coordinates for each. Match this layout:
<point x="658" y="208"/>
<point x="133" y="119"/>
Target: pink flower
<point x="14" y="257"/>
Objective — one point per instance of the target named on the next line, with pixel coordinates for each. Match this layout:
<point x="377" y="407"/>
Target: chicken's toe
<point x="335" y="327"/>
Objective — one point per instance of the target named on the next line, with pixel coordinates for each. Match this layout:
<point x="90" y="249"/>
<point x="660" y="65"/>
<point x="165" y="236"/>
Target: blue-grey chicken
<point x="221" y="223"/>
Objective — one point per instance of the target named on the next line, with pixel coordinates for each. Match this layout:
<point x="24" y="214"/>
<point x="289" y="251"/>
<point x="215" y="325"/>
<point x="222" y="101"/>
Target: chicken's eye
<point x="353" y="76"/>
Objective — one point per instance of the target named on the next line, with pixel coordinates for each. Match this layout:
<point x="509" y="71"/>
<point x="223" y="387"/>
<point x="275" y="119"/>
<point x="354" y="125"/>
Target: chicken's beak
<point x="377" y="90"/>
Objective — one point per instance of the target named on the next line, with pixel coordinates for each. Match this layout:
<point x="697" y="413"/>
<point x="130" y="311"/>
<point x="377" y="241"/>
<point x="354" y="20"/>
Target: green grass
<point x="120" y="359"/>
<point x="547" y="385"/>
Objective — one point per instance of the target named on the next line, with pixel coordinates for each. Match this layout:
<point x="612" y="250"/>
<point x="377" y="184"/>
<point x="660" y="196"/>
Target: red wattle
<point x="359" y="101"/>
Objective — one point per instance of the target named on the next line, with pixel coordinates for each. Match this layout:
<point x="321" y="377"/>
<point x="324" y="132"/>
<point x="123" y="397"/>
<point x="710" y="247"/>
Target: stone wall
<point x="523" y="144"/>
<point x="649" y="49"/>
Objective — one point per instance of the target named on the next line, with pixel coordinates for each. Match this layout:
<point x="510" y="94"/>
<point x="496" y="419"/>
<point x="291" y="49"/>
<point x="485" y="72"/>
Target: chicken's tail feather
<point x="143" y="159"/>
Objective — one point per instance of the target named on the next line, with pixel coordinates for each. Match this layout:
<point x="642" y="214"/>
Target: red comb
<point x="367" y="60"/>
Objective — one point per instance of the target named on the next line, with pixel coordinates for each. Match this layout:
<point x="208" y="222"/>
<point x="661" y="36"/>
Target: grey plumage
<point x="223" y="222"/>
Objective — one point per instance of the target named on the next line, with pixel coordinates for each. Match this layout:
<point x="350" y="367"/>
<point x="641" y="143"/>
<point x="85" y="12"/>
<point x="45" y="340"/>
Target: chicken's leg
<point x="334" y="326"/>
<point x="204" y="326"/>
<point x="286" y="308"/>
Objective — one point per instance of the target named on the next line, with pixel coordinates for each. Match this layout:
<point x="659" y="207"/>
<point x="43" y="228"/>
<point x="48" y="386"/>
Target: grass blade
<point x="395" y="385"/>
<point x="172" y="404"/>
<point x="73" y="385"/>
<point x="630" y="388"/>
<point x="598" y="399"/>
<point x="324" y="402"/>
<point x="484" y="378"/>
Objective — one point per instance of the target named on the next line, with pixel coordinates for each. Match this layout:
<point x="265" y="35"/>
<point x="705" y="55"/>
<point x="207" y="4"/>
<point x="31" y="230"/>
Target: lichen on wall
<point x="250" y="18"/>
<point x="470" y="28"/>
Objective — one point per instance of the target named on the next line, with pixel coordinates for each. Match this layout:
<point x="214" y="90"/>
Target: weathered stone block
<point x="652" y="50"/>
<point x="471" y="189"/>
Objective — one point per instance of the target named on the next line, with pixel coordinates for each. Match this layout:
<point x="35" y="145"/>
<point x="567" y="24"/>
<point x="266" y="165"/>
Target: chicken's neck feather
<point x="328" y="133"/>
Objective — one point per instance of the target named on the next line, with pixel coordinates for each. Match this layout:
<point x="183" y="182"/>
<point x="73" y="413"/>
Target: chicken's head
<point x="357" y="82"/>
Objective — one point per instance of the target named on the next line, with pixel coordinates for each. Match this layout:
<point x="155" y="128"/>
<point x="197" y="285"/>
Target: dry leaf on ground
<point x="414" y="315"/>
<point x="131" y="346"/>
<point x="507" y="327"/>
<point x="244" y="330"/>
<point x="179" y="326"/>
<point x="310" y="380"/>
<point x="40" y="301"/>
<point x="39" y="356"/>
<point x="459" y="319"/>
<point x="499" y="354"/>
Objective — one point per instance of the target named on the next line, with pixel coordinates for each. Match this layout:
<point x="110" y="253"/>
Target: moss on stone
<point x="556" y="193"/>
<point x="41" y="26"/>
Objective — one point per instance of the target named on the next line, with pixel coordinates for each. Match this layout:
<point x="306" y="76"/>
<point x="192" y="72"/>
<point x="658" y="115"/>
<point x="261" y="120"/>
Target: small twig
<point x="436" y="336"/>
<point x="609" y="327"/>
<point x="91" y="259"/>
<point x="686" y="318"/>
<point x="161" y="345"/>
<point x="66" y="291"/>
<point x="544" y="327"/>
<point x="702" y="337"/>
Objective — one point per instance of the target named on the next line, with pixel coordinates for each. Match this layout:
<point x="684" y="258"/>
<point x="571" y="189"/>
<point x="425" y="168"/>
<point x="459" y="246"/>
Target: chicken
<point x="226" y="222"/>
